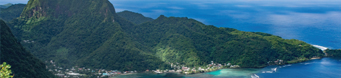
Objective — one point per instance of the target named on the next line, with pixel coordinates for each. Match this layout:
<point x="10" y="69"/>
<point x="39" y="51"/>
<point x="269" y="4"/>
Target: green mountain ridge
<point x="69" y="39"/>
<point x="13" y="11"/>
<point x="24" y="64"/>
<point x="193" y="43"/>
<point x="96" y="37"/>
<point x="136" y="18"/>
<point x="6" y="5"/>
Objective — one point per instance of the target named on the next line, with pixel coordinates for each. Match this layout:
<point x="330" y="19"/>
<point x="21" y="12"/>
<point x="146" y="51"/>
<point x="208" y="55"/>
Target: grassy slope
<point x="22" y="62"/>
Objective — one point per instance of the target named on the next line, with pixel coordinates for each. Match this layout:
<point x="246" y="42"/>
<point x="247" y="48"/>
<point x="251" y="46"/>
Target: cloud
<point x="202" y="5"/>
<point x="243" y="6"/>
<point x="158" y="11"/>
<point x="305" y="19"/>
<point x="175" y="7"/>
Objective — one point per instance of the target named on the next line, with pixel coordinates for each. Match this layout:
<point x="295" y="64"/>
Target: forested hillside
<point x="91" y="37"/>
<point x="136" y="18"/>
<point x="333" y="53"/>
<point x="13" y="11"/>
<point x="96" y="37"/>
<point x="6" y="5"/>
<point x="188" y="41"/>
<point x="24" y="64"/>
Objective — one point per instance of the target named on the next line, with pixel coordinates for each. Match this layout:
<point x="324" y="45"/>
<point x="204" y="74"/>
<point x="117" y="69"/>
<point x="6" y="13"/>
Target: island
<point x="98" y="41"/>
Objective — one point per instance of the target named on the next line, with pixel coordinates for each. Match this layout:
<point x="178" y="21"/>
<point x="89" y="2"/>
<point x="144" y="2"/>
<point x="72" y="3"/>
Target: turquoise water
<point x="320" y="68"/>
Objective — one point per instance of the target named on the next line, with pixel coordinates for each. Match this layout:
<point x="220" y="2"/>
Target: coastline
<point x="229" y="66"/>
<point x="180" y="74"/>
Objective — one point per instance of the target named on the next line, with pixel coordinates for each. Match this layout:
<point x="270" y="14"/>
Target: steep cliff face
<point x="24" y="64"/>
<point x="57" y="8"/>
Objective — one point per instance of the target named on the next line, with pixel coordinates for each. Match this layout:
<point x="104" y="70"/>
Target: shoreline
<point x="182" y="74"/>
<point x="314" y="58"/>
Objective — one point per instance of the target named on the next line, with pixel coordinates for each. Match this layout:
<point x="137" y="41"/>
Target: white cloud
<point x="175" y="7"/>
<point x="305" y="19"/>
<point x="243" y="6"/>
<point x="158" y="11"/>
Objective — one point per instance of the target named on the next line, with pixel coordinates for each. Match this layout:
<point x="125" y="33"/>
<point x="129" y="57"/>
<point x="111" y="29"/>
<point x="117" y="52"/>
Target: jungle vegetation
<point x="98" y="37"/>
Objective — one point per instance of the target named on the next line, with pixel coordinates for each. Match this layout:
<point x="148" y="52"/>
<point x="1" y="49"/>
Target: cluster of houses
<point x="28" y="41"/>
<point x="82" y="72"/>
<point x="178" y="68"/>
<point x="276" y="62"/>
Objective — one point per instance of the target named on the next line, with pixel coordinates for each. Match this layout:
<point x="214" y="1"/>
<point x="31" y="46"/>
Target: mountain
<point x="5" y="5"/>
<point x="96" y="37"/>
<point x="13" y="11"/>
<point x="190" y="42"/>
<point x="24" y="64"/>
<point x="136" y="18"/>
<point x="92" y="36"/>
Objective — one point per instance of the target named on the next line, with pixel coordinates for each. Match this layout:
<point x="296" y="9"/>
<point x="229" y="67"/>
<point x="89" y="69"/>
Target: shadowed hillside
<point x="23" y="63"/>
<point x="13" y="11"/>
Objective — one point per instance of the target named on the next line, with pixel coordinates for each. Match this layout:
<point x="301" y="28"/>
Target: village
<point x="82" y="72"/>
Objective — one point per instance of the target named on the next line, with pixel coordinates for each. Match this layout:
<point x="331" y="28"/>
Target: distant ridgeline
<point x="5" y="5"/>
<point x="135" y="18"/>
<point x="11" y="12"/>
<point x="24" y="64"/>
<point x="97" y="37"/>
<point x="333" y="53"/>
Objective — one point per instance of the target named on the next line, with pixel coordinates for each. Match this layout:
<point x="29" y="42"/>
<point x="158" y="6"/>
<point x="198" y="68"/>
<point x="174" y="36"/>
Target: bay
<point x="319" y="68"/>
